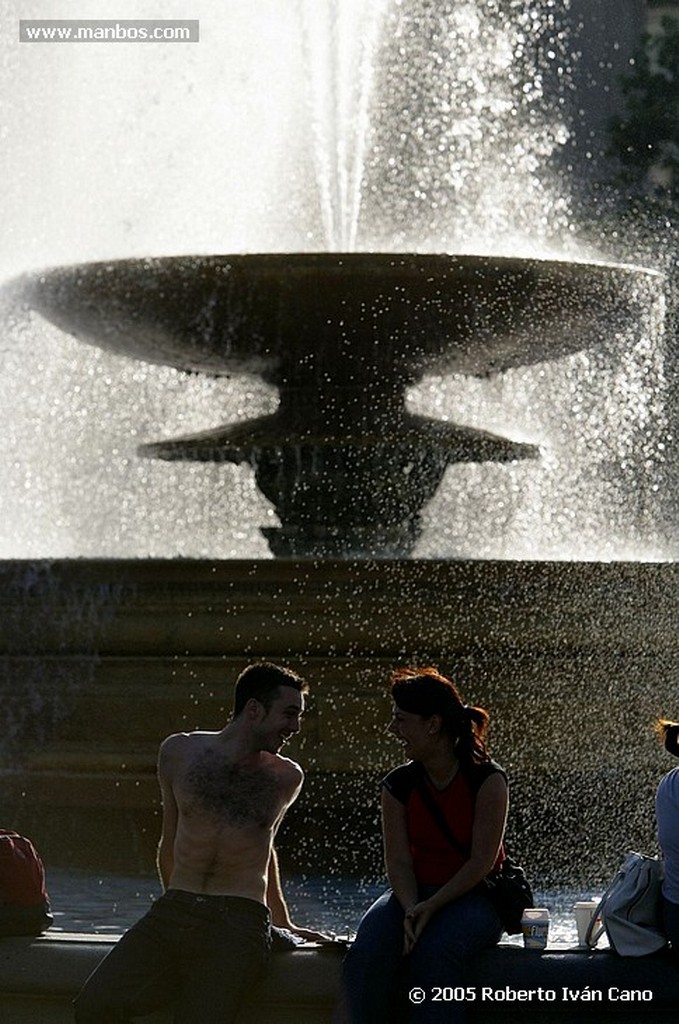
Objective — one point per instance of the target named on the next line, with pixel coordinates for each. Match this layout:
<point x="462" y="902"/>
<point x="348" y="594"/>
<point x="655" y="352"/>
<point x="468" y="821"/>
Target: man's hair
<point x="262" y="682"/>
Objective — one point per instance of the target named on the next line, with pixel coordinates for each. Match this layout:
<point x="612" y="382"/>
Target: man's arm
<point x="165" y="858"/>
<point x="280" y="915"/>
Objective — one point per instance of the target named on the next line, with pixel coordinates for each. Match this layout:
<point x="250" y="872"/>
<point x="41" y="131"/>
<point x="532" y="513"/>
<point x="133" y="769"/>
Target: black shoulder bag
<point x="508" y="887"/>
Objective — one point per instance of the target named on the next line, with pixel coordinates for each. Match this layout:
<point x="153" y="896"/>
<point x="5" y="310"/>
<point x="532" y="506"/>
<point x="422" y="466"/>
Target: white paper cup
<point x="535" y="927"/>
<point x="584" y="911"/>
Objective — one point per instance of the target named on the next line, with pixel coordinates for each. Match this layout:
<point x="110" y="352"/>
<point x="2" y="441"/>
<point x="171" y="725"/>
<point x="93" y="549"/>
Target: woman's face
<point x="416" y="733"/>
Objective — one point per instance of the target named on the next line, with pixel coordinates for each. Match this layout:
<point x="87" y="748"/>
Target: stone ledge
<point x="39" y="978"/>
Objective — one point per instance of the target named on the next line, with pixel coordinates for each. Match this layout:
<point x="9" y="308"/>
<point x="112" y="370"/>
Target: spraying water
<point x="418" y="126"/>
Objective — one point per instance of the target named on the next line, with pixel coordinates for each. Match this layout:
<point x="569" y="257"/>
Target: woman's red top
<point x="435" y="860"/>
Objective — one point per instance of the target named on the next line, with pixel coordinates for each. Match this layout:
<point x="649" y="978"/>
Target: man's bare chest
<point x="235" y="794"/>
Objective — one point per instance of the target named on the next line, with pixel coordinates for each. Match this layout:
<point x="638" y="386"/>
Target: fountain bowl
<point x="345" y="465"/>
<point x="409" y="312"/>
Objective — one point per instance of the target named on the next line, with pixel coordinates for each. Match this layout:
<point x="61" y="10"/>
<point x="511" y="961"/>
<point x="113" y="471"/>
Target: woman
<point x="667" y="815"/>
<point x="443" y="818"/>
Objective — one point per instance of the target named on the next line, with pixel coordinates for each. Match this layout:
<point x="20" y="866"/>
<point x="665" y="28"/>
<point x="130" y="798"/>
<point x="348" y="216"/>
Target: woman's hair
<point x="425" y="692"/>
<point x="668" y="732"/>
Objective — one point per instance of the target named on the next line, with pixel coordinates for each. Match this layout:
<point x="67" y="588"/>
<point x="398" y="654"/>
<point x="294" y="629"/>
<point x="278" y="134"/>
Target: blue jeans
<point x="376" y="977"/>
<point x="671" y="919"/>
<point x="202" y="953"/>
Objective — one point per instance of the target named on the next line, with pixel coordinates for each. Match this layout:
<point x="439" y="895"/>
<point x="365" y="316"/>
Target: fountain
<point x="345" y="466"/>
<point x="349" y="469"/>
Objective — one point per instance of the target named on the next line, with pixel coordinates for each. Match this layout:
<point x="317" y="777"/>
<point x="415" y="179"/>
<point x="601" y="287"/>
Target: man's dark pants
<point x="200" y="953"/>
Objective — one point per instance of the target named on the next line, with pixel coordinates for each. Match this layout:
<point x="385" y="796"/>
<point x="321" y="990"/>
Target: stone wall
<point x="99" y="660"/>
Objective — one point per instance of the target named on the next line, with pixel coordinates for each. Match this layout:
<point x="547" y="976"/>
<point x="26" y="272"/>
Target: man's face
<point x="282" y="720"/>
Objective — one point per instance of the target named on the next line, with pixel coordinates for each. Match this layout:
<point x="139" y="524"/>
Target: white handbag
<point x="631" y="909"/>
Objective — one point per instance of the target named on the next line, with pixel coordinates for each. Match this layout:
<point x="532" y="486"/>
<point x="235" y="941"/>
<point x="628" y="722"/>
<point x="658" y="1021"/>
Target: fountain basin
<point x="341" y="335"/>
<point x="359" y="313"/>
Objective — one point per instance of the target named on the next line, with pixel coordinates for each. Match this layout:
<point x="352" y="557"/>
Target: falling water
<point x="467" y="131"/>
<point x="433" y="127"/>
<point x="434" y="124"/>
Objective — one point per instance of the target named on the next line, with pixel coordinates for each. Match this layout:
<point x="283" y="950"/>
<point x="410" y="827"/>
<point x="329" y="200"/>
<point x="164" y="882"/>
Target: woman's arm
<point x="397" y="859"/>
<point x="489" y="824"/>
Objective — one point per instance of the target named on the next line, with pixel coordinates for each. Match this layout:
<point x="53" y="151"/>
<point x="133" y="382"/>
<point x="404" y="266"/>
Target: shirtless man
<point x="206" y="940"/>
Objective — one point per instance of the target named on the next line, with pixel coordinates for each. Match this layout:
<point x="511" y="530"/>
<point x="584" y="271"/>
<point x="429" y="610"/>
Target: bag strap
<point x="591" y="938"/>
<point x="437" y="814"/>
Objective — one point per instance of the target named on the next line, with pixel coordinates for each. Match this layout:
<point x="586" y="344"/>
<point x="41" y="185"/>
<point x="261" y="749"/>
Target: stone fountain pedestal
<point x="101" y="659"/>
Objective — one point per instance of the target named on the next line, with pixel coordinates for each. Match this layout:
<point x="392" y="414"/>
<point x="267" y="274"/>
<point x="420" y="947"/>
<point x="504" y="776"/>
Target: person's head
<point x="269" y="702"/>
<point x="436" y="702"/>
<point x="262" y="681"/>
<point x="669" y="735"/>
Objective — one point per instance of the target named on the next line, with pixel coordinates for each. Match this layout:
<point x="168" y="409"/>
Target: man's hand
<point x="308" y="934"/>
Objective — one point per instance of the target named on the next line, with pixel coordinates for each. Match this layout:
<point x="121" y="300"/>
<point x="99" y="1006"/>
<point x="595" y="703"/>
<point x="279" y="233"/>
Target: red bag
<point x="22" y="872"/>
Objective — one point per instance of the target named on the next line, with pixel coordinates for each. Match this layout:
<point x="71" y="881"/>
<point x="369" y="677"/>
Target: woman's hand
<point x="416" y="920"/>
